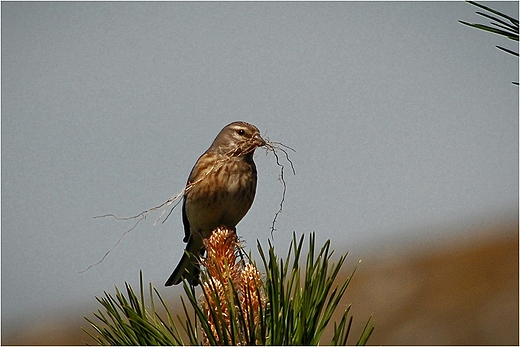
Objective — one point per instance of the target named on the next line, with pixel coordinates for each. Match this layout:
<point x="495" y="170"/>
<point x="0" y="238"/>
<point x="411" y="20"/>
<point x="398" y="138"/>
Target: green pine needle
<point x="300" y="303"/>
<point x="501" y="24"/>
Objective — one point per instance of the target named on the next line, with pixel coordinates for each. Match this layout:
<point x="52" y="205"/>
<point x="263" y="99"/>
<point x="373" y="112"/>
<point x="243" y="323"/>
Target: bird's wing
<point x="185" y="221"/>
<point x="198" y="171"/>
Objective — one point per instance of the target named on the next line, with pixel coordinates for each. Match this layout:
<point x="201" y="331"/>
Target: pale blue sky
<point x="401" y="118"/>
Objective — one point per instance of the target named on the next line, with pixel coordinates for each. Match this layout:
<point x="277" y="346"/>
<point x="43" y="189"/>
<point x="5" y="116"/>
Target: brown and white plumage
<point x="220" y="190"/>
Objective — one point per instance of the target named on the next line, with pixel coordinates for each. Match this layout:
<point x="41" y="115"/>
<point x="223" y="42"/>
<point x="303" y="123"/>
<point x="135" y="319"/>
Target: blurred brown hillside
<point x="461" y="291"/>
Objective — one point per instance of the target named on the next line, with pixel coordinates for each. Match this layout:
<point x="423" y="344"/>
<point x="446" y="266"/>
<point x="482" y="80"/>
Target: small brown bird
<point x="219" y="192"/>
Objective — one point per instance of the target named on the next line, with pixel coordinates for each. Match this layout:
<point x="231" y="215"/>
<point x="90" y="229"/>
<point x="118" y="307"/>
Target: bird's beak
<point x="259" y="141"/>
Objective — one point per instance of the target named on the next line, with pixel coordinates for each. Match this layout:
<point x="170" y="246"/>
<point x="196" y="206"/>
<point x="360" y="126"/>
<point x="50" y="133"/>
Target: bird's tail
<point x="188" y="267"/>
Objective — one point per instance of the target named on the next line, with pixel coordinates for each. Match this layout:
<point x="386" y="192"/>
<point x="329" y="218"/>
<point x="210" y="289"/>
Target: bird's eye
<point x="241" y="132"/>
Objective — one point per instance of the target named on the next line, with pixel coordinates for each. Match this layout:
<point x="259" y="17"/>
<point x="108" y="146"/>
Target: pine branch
<point x="292" y="306"/>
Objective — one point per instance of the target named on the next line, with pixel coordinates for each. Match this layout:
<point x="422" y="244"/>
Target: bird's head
<point x="237" y="139"/>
